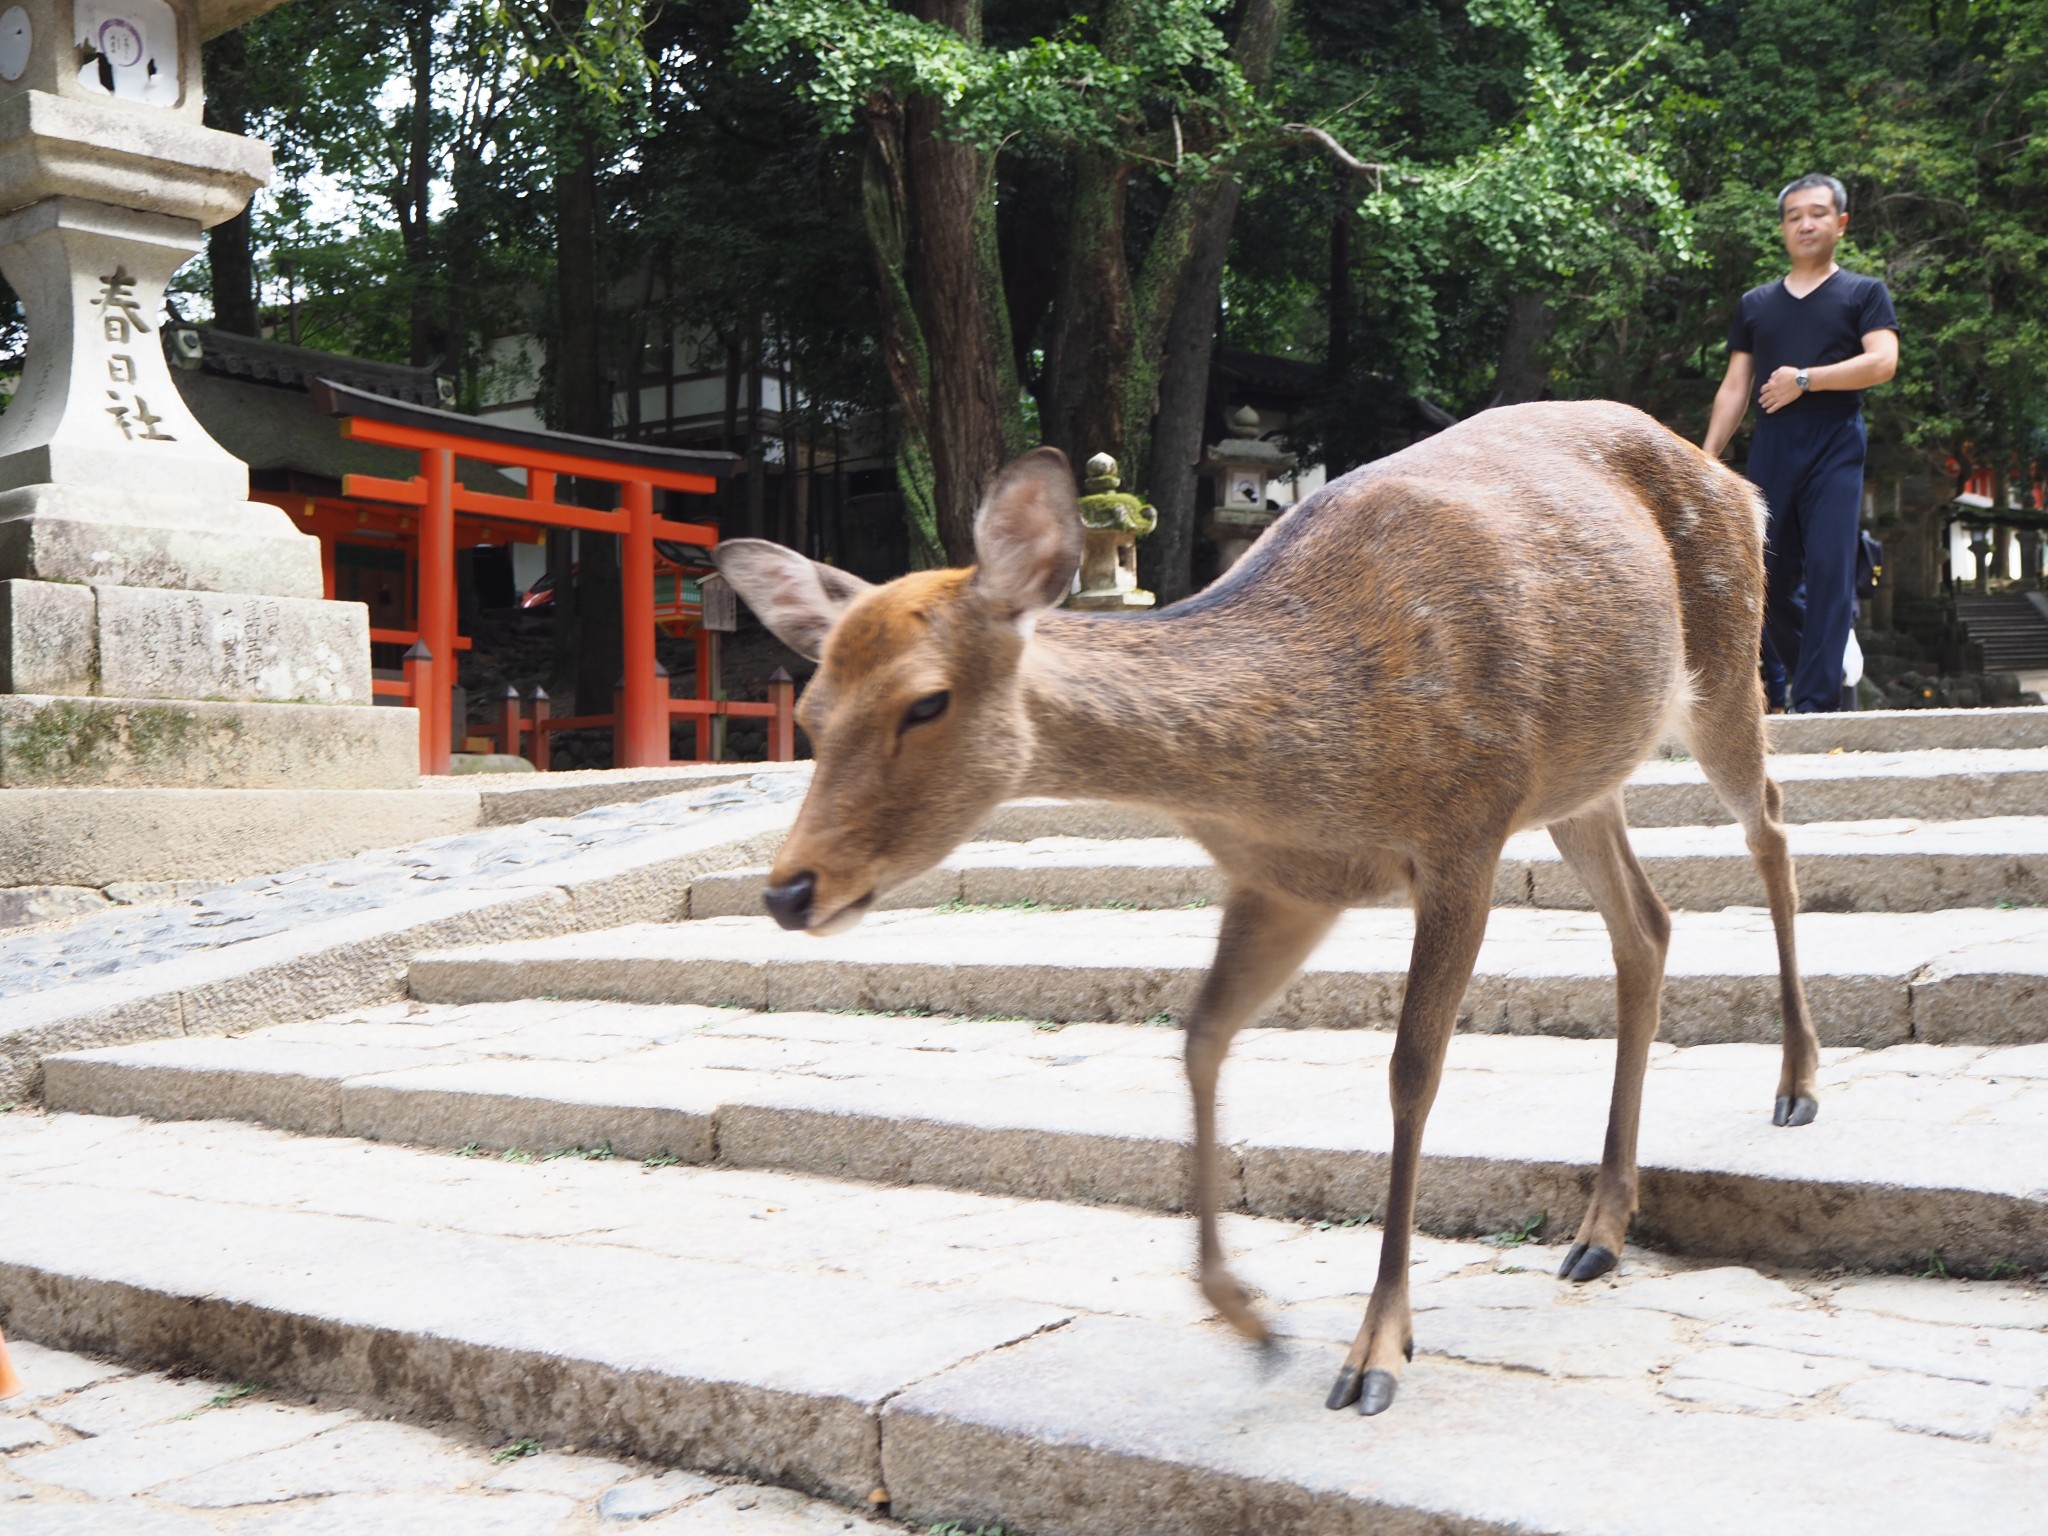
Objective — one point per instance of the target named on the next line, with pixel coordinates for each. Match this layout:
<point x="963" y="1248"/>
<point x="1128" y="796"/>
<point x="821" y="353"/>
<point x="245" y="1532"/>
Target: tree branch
<point x="1363" y="169"/>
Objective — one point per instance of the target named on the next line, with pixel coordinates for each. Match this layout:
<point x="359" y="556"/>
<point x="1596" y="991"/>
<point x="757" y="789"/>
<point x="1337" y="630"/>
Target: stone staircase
<point x="890" y="1218"/>
<point x="2012" y="631"/>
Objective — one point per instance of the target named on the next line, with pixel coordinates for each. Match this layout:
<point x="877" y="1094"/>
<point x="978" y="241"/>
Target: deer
<point x="1484" y="632"/>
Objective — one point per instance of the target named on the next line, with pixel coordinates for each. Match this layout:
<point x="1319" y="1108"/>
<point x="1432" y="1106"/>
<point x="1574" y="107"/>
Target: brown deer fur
<point x="1485" y="632"/>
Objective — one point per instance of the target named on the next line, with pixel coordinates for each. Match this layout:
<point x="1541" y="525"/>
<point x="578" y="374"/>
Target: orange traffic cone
<point x="9" y="1382"/>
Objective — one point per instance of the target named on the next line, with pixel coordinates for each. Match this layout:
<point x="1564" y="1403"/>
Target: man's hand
<point x="1731" y="404"/>
<point x="1779" y="390"/>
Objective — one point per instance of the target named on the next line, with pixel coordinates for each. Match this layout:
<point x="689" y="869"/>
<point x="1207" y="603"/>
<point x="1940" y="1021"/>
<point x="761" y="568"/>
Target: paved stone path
<point x="93" y="1448"/>
<point x="1875" y="978"/>
<point x="1919" y="1148"/>
<point x="562" y="1194"/>
<point x="96" y="948"/>
<point x="971" y="1307"/>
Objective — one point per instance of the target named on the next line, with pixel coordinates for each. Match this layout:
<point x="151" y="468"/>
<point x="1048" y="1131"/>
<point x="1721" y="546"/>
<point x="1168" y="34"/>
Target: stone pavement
<point x="94" y="1448"/>
<point x="1920" y="1148"/>
<point x="489" y="858"/>
<point x="66" y="853"/>
<point x="334" y="935"/>
<point x="903" y="1213"/>
<point x="981" y="1357"/>
<point x="1871" y="978"/>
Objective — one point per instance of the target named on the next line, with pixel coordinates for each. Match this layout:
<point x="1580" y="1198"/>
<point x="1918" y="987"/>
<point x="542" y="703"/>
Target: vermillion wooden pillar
<point x="437" y="599"/>
<point x="781" y="723"/>
<point x="643" y="728"/>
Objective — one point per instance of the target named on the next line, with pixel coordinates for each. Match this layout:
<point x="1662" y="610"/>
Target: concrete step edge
<point x="1925" y="869"/>
<point x="1059" y="1420"/>
<point x="1718" y="1181"/>
<point x="1972" y="977"/>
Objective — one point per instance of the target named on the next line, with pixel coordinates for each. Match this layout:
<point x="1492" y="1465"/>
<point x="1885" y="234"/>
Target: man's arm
<point x="1878" y="362"/>
<point x="1731" y="403"/>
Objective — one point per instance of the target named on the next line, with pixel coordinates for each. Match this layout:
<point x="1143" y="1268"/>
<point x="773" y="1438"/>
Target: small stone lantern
<point x="1981" y="546"/>
<point x="1113" y="521"/>
<point x="1243" y="464"/>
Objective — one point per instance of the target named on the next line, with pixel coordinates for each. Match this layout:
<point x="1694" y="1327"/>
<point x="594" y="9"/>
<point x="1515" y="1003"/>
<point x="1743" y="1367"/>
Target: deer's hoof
<point x="1344" y="1391"/>
<point x="1795" y="1109"/>
<point x="1378" y="1395"/>
<point x="1585" y="1263"/>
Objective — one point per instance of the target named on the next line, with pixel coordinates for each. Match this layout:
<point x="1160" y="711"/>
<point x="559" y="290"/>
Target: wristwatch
<point x="1802" y="381"/>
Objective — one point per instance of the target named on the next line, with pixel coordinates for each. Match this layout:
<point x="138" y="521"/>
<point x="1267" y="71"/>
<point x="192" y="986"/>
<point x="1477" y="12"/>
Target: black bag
<point x="1869" y="565"/>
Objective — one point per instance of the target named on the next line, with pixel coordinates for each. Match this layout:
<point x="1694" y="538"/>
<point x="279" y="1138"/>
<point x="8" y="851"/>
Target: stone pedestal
<point x="1234" y="530"/>
<point x="153" y="620"/>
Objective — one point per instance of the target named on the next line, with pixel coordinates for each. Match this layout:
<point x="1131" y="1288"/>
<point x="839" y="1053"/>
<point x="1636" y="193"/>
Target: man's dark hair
<point x="1840" y="192"/>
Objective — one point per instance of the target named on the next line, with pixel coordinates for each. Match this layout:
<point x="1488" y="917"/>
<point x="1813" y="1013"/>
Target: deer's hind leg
<point x="1595" y="844"/>
<point x="1262" y="943"/>
<point x="1726" y="734"/>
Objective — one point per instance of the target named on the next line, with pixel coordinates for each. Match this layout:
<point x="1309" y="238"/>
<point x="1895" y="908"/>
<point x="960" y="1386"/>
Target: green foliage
<point x="1605" y="166"/>
<point x="1514" y="1237"/>
<point x="1554" y="194"/>
<point x="516" y="1450"/>
<point x="1167" y="58"/>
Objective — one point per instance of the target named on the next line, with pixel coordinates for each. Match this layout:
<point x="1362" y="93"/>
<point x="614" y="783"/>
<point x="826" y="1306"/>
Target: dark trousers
<point x="1811" y="475"/>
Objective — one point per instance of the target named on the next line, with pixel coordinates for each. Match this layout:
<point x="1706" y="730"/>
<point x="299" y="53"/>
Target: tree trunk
<point x="1188" y="339"/>
<point x="1165" y="559"/>
<point x="885" y="200"/>
<point x="413" y="194"/>
<point x="589" y="642"/>
<point x="946" y="339"/>
<point x="1520" y="375"/>
<point x="230" y="247"/>
<point x="957" y="288"/>
<point x="1093" y="332"/>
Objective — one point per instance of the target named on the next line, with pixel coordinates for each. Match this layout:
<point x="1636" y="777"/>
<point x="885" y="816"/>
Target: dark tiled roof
<point x="262" y="361"/>
<point x="253" y="398"/>
<point x="1260" y="373"/>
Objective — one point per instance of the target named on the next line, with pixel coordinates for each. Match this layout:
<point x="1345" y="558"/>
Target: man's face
<point x="1812" y="224"/>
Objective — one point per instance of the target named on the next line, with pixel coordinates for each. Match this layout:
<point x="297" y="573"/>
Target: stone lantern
<point x="1242" y="465"/>
<point x="1980" y="547"/>
<point x="156" y="626"/>
<point x="1112" y="522"/>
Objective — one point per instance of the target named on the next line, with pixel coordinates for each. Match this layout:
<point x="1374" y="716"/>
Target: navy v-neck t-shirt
<point x="1827" y="326"/>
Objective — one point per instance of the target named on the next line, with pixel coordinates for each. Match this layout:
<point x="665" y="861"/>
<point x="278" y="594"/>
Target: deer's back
<point x="1500" y="619"/>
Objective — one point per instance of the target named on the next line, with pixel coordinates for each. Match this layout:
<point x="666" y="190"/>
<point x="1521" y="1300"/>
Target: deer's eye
<point x="930" y="707"/>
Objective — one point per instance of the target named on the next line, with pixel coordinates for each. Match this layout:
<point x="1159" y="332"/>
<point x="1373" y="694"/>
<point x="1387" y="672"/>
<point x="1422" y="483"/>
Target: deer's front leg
<point x="1264" y="939"/>
<point x="1450" y="920"/>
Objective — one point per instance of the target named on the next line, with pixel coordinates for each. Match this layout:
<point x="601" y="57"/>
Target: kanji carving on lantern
<point x="123" y="314"/>
<point x="138" y="415"/>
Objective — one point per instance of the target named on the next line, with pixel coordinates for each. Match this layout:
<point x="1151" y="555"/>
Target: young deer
<point x="1485" y="632"/>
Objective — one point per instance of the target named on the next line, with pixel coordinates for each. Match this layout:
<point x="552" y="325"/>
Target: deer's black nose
<point x="790" y="902"/>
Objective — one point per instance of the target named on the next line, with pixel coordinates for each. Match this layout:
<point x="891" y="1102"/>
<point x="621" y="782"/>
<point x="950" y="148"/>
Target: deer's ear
<point x="1027" y="535"/>
<point x="799" y="599"/>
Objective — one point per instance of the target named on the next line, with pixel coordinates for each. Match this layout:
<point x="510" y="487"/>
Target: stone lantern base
<point x="156" y="626"/>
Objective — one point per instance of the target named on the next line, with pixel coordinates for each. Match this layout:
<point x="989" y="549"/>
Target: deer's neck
<point x="1138" y="710"/>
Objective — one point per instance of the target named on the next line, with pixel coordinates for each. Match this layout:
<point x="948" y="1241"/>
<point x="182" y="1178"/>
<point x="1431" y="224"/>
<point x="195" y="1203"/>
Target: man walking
<point x="1816" y="339"/>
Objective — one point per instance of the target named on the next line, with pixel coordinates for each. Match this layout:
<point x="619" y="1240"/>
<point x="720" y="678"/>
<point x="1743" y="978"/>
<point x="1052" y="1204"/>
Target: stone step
<point x="1967" y="976"/>
<point x="1932" y="785"/>
<point x="1908" y="730"/>
<point x="1919" y="1149"/>
<point x="976" y="1359"/>
<point x="1862" y="866"/>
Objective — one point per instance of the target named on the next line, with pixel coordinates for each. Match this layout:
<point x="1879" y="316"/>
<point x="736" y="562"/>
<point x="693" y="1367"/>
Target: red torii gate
<point x="641" y="731"/>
